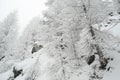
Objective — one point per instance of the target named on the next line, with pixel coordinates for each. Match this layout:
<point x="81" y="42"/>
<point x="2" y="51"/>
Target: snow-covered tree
<point x="68" y="38"/>
<point x="68" y="19"/>
<point x="117" y="5"/>
<point x="36" y="33"/>
<point x="69" y="46"/>
<point x="8" y="39"/>
<point x="8" y="35"/>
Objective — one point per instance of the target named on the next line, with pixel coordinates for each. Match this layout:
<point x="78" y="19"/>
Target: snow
<point x="115" y="72"/>
<point x="6" y="75"/>
<point x="65" y="55"/>
<point x="116" y="30"/>
<point x="114" y="26"/>
<point x="43" y="66"/>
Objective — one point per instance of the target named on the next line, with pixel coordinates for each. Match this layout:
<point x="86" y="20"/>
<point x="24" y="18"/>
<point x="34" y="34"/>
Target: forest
<point x="72" y="41"/>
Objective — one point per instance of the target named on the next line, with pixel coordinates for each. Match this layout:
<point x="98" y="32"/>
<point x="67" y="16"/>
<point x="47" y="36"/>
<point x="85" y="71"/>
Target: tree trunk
<point x="102" y="59"/>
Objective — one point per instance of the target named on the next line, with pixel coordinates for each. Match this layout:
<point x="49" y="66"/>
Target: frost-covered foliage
<point x="8" y="38"/>
<point x="36" y="33"/>
<point x="67" y="44"/>
<point x="51" y="62"/>
<point x="8" y="35"/>
<point x="117" y="5"/>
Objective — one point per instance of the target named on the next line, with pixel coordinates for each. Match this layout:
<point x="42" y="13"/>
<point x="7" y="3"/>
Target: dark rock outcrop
<point x="103" y="63"/>
<point x="91" y="59"/>
<point x="16" y="72"/>
<point x="2" y="58"/>
<point x="36" y="48"/>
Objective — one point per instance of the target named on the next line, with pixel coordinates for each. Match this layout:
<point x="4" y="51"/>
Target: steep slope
<point x="49" y="63"/>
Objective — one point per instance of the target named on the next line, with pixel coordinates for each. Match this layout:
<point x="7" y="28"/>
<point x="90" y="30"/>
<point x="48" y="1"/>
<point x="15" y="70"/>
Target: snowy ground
<point x="47" y="65"/>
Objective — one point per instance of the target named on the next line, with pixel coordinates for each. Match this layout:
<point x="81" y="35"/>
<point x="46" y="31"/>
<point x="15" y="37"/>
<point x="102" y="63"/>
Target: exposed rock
<point x="2" y="58"/>
<point x="103" y="63"/>
<point x="91" y="59"/>
<point x="110" y="14"/>
<point x="16" y="72"/>
<point x="36" y="48"/>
